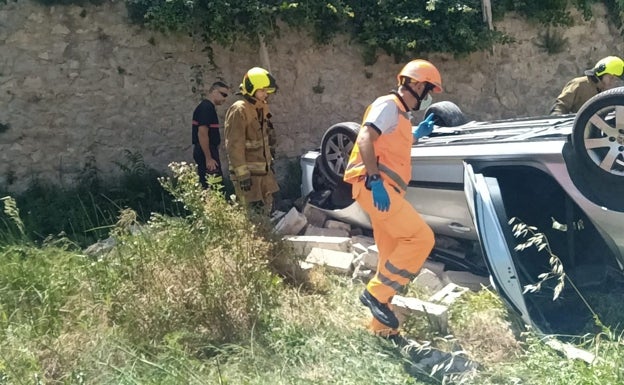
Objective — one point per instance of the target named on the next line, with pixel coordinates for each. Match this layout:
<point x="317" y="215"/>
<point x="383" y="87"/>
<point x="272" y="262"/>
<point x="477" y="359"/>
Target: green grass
<point x="212" y="297"/>
<point x="85" y="212"/>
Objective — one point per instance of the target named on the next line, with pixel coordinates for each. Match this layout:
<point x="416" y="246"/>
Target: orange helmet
<point x="421" y="71"/>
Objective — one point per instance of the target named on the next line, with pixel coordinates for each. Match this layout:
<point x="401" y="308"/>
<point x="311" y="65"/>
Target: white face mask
<point x="425" y="103"/>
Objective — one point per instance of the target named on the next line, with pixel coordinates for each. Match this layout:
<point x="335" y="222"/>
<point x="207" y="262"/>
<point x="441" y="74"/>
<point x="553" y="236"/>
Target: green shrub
<point x="552" y="41"/>
<point x="85" y="212"/>
<point x="205" y="275"/>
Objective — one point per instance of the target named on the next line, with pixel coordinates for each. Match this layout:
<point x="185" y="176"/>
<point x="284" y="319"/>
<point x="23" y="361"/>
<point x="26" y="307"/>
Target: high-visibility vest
<point x="393" y="151"/>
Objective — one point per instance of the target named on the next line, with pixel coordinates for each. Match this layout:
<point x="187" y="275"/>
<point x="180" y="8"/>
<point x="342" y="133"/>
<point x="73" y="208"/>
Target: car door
<point x="436" y="191"/>
<point x="488" y="213"/>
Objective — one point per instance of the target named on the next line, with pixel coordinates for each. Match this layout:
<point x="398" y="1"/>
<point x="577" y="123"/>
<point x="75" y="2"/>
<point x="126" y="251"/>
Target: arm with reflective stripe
<point x="235" y="124"/>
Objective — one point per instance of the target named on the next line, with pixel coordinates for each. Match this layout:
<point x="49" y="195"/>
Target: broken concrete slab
<point x="436" y="267"/>
<point x="325" y="232"/>
<point x="306" y="266"/>
<point x="338" y="261"/>
<point x="315" y="216"/>
<point x="370" y="260"/>
<point x="303" y="244"/>
<point x="448" y="294"/>
<point x="292" y="223"/>
<point x="276" y="216"/>
<point x="428" y="279"/>
<point x="570" y="351"/>
<point x="101" y="248"/>
<point x="356" y="231"/>
<point x="358" y="248"/>
<point x="332" y="224"/>
<point x="436" y="314"/>
<point x="363" y="239"/>
<point x="466" y="279"/>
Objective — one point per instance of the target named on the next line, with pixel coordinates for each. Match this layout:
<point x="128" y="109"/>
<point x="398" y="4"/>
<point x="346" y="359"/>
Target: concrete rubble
<point x="343" y="249"/>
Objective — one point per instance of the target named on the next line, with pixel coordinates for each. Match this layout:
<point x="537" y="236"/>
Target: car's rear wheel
<point x="598" y="136"/>
<point x="336" y="146"/>
<point x="447" y="114"/>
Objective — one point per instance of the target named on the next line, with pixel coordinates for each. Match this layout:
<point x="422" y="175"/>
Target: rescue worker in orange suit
<point x="247" y="141"/>
<point x="607" y="73"/>
<point x="379" y="169"/>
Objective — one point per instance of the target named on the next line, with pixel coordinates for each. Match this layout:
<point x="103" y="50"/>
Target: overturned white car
<point x="563" y="175"/>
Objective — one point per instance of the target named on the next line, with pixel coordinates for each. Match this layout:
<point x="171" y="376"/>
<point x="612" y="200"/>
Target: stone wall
<point x="81" y="84"/>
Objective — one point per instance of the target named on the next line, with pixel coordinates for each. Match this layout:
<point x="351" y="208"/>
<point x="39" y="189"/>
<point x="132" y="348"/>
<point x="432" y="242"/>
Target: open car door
<point x="497" y="242"/>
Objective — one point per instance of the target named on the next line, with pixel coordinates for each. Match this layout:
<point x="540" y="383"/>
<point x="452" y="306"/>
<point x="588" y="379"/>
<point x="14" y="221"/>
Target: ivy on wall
<point x="397" y="27"/>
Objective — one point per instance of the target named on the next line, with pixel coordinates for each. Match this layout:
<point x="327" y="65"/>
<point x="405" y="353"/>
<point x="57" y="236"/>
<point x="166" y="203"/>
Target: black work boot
<point x="381" y="311"/>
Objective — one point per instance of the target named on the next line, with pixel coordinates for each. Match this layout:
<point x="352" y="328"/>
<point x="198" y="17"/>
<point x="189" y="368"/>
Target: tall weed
<point x="204" y="275"/>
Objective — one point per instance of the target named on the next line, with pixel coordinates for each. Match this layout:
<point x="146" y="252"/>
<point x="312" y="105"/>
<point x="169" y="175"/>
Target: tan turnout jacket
<point x="574" y="95"/>
<point x="247" y="138"/>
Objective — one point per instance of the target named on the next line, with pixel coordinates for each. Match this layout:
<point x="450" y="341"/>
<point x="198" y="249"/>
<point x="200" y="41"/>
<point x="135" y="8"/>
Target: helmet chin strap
<point x="419" y="98"/>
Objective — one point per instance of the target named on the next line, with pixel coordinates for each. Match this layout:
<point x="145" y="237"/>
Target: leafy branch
<point x="533" y="238"/>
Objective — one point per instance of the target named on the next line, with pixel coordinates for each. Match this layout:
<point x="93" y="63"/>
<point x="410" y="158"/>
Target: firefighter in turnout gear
<point x="248" y="142"/>
<point x="608" y="73"/>
<point x="380" y="170"/>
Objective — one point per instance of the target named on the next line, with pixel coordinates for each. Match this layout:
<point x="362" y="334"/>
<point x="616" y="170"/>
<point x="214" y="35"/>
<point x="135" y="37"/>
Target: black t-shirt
<point x="206" y="115"/>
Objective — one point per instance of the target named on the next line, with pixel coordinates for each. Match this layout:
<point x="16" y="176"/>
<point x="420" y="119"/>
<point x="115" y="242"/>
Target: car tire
<point x="598" y="136"/>
<point x="447" y="114"/>
<point x="336" y="146"/>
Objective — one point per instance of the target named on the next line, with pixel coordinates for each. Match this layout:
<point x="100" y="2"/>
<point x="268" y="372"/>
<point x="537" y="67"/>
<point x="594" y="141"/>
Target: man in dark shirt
<point x="206" y="136"/>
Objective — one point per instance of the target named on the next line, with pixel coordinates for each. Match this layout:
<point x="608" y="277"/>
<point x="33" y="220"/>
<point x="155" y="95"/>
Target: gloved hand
<point x="381" y="200"/>
<point x="245" y="184"/>
<point x="424" y="128"/>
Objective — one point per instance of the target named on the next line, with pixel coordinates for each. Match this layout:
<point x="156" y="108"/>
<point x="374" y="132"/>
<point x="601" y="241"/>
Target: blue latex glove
<point x="381" y="200"/>
<point x="424" y="128"/>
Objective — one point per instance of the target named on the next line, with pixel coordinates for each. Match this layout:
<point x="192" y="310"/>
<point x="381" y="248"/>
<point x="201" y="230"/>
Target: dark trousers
<point x="200" y="159"/>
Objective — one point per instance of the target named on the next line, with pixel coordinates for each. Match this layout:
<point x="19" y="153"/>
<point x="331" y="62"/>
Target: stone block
<point x="338" y="261"/>
<point x="276" y="216"/>
<point x="325" y="232"/>
<point x="356" y="231"/>
<point x="363" y="239"/>
<point x="303" y="244"/>
<point x="315" y="216"/>
<point x="428" y="279"/>
<point x="436" y="267"/>
<point x="448" y="294"/>
<point x="332" y="224"/>
<point x="570" y="351"/>
<point x="359" y="248"/>
<point x="306" y="266"/>
<point x="466" y="279"/>
<point x="436" y="314"/>
<point x="370" y="260"/>
<point x="292" y="223"/>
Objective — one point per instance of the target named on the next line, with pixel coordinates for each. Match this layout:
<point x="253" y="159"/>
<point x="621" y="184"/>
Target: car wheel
<point x="336" y="146"/>
<point x="598" y="135"/>
<point x="447" y="114"/>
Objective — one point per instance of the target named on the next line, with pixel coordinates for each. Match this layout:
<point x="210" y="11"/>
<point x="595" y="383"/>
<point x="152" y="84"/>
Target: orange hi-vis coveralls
<point x="247" y="132"/>
<point x="403" y="238"/>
